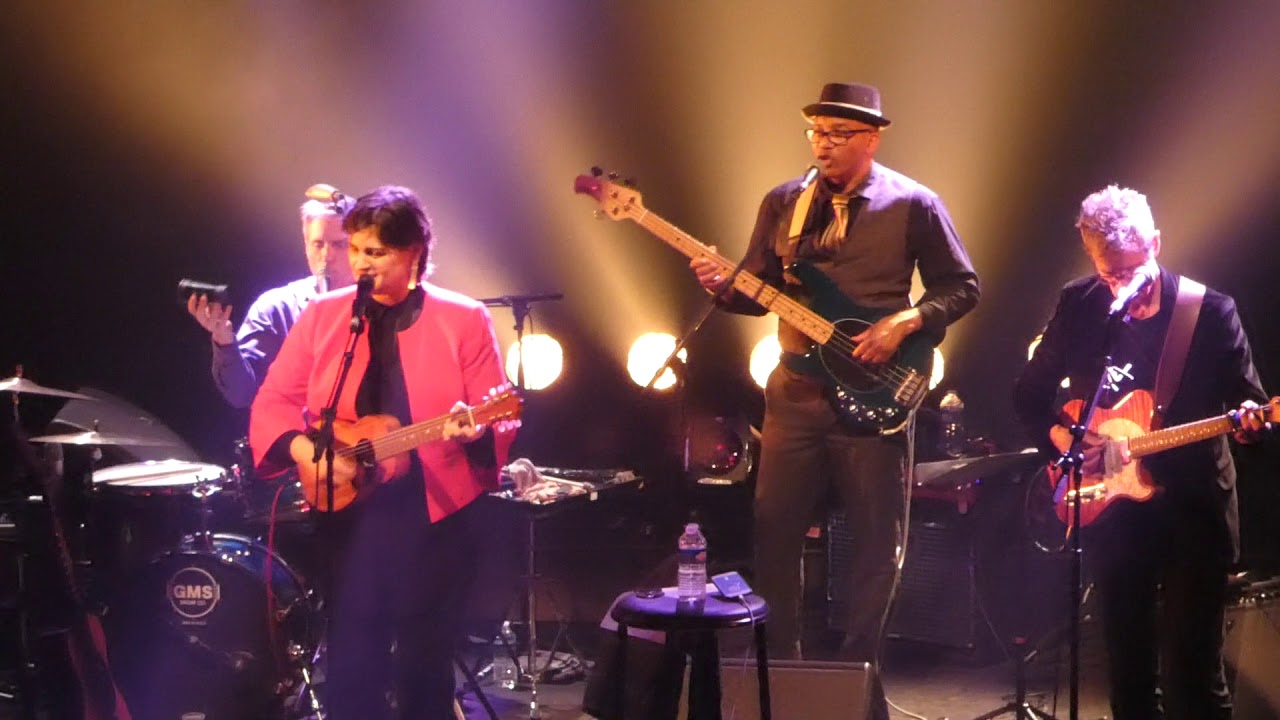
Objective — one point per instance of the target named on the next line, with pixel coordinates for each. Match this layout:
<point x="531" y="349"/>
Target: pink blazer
<point x="449" y="354"/>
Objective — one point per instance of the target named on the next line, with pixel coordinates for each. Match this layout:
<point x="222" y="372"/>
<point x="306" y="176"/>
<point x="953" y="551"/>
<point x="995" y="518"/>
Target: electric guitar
<point x="1129" y="423"/>
<point x="866" y="396"/>
<point x="380" y="448"/>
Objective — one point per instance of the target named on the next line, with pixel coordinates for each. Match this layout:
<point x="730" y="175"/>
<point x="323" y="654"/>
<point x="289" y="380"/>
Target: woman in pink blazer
<point x="402" y="554"/>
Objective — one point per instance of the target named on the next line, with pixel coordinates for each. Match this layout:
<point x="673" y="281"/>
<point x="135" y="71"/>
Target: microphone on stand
<point x="1127" y="294"/>
<point x="360" y="306"/>
<point x="322" y="283"/>
<point x="809" y="176"/>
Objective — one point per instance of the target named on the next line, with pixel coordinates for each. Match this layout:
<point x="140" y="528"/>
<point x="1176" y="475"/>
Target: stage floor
<point x="926" y="681"/>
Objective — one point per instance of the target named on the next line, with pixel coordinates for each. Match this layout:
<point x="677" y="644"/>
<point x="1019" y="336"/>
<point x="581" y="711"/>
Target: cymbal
<point x="93" y="437"/>
<point x="968" y="469"/>
<point x="23" y="385"/>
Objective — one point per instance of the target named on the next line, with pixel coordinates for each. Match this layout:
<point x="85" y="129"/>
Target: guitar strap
<point x="787" y="250"/>
<point x="1186" y="310"/>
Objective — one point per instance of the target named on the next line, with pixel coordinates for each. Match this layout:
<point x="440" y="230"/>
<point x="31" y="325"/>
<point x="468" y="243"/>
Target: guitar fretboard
<point x="1179" y="435"/>
<point x="405" y="439"/>
<point x="792" y="312"/>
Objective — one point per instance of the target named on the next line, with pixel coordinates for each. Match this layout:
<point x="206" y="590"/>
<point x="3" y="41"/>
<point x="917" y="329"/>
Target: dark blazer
<point x="1198" y="479"/>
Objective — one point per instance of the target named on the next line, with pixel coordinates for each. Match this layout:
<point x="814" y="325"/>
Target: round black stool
<point x="699" y="626"/>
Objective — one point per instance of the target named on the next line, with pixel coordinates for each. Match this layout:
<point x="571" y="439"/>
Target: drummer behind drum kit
<point x="200" y="624"/>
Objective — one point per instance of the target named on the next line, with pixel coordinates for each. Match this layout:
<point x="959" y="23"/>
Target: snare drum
<point x="142" y="509"/>
<point x="199" y="635"/>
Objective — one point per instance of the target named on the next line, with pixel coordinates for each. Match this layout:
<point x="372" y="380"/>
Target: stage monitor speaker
<point x="937" y="595"/>
<point x="797" y="689"/>
<point x="1252" y="654"/>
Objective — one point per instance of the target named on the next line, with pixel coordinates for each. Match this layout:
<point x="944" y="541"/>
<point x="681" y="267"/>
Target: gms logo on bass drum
<point x="193" y="593"/>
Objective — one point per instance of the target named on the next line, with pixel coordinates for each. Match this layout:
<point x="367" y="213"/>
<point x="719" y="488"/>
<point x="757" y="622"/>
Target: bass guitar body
<point x="866" y="397"/>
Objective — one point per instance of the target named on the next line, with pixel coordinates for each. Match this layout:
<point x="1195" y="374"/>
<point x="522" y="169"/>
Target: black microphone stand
<point x="1072" y="462"/>
<point x="323" y="438"/>
<point x="680" y="373"/>
<point x="519" y="305"/>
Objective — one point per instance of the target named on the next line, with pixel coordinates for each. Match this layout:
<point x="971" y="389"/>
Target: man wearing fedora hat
<point x="868" y="229"/>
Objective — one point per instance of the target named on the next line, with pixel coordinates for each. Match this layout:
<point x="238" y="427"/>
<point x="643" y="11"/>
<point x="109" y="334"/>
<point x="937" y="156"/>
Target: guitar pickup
<point x="911" y="390"/>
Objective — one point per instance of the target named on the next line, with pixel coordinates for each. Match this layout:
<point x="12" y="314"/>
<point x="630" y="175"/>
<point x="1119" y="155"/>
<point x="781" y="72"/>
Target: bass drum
<point x="202" y="635"/>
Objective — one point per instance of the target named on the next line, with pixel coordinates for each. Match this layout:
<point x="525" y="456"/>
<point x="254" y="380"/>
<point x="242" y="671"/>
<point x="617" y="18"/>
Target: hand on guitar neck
<point x="1255" y="420"/>
<point x="375" y="448"/>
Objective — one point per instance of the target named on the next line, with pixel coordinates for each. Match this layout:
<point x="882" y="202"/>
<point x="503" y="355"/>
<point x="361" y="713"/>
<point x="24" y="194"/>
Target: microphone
<point x="1126" y="295"/>
<point x="330" y="195"/>
<point x="360" y="306"/>
<point x="809" y="176"/>
<point x="188" y="287"/>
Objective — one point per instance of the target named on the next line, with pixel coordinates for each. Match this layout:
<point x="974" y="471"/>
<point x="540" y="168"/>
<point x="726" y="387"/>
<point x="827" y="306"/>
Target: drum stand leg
<point x="309" y="692"/>
<point x="25" y="672"/>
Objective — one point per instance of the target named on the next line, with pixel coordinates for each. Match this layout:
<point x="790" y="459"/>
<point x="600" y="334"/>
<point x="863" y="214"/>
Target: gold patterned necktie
<point x="839" y="225"/>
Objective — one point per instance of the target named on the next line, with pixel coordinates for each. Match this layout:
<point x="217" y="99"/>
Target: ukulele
<point x="380" y="448"/>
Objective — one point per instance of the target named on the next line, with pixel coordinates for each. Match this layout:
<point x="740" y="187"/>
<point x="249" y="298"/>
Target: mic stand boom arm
<point x="680" y="345"/>
<point x="519" y="305"/>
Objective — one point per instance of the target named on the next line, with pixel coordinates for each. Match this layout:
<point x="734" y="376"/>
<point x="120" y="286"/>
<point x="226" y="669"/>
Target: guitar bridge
<point x="910" y="392"/>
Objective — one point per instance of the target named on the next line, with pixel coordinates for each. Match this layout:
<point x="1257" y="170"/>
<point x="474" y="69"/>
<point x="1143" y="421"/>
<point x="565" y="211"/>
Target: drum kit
<point x="203" y="619"/>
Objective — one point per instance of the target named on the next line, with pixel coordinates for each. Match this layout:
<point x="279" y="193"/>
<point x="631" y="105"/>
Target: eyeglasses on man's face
<point x="835" y="137"/>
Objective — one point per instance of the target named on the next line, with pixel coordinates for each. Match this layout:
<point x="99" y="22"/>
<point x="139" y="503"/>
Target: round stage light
<point x="764" y="358"/>
<point x="648" y="353"/>
<point x="543" y="361"/>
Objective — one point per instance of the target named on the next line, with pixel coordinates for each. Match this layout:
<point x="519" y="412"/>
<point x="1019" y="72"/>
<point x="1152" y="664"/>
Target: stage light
<point x="721" y="450"/>
<point x="764" y="358"/>
<point x="543" y="361"/>
<point x="939" y="369"/>
<point x="647" y="353"/>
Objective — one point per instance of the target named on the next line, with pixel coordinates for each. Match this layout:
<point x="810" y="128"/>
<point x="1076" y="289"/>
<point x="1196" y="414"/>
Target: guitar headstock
<point x="617" y="200"/>
<point x="506" y="404"/>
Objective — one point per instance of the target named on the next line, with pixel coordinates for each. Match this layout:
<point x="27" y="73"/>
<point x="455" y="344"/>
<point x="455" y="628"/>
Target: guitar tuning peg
<point x="629" y="182"/>
<point x="599" y="214"/>
<point x="613" y="176"/>
<point x="596" y="171"/>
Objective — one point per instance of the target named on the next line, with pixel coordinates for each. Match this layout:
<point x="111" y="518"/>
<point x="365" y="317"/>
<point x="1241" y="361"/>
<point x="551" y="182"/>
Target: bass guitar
<point x="1128" y="424"/>
<point x="380" y="447"/>
<point x="877" y="397"/>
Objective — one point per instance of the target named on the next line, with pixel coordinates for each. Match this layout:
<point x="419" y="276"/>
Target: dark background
<point x="141" y="144"/>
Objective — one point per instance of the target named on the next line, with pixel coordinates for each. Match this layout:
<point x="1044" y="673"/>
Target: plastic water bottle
<point x="954" y="437"/>
<point x="505" y="671"/>
<point x="691" y="588"/>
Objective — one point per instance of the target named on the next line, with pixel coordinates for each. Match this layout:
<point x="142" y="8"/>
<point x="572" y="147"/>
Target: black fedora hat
<point x="848" y="100"/>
